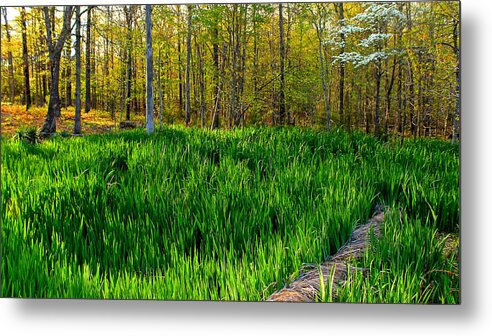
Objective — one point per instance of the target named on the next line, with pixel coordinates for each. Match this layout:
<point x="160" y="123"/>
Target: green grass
<point x="189" y="214"/>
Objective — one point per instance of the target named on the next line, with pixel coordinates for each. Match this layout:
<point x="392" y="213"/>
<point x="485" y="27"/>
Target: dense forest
<point x="385" y="68"/>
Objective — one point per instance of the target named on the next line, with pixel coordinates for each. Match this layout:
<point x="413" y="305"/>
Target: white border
<point x="472" y="317"/>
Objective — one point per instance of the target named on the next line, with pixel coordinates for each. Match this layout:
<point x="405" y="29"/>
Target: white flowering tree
<point x="371" y="30"/>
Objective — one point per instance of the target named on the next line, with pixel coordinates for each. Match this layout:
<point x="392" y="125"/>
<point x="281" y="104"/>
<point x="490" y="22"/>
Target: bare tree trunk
<point x="27" y="85"/>
<point x="180" y="68"/>
<point x="188" y="68"/>
<point x="150" y="71"/>
<point x="342" y="64"/>
<point x="77" y="127"/>
<point x="456" y="117"/>
<point x="388" y="96"/>
<point x="106" y="95"/>
<point x="319" y="25"/>
<point x="410" y="76"/>
<point x="68" y="74"/>
<point x="159" y="85"/>
<point x="55" y="50"/>
<point x="215" y="47"/>
<point x="129" y="21"/>
<point x="88" y="62"/>
<point x="282" y="65"/>
<point x="378" y="89"/>
<point x="255" y="54"/>
<point x="234" y="38"/>
<point x="399" y="124"/>
<point x="10" y="60"/>
<point x="366" y="116"/>
<point x="201" y="56"/>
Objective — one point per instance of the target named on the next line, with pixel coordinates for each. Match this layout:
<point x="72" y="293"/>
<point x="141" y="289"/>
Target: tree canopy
<point x="388" y="68"/>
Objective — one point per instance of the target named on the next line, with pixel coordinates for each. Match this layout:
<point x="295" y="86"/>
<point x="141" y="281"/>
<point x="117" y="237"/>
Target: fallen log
<point x="306" y="288"/>
<point x="127" y="124"/>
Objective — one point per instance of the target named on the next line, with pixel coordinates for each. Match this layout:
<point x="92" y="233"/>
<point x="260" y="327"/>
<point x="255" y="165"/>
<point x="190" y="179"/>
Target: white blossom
<point x="349" y="29"/>
<point x="374" y="39"/>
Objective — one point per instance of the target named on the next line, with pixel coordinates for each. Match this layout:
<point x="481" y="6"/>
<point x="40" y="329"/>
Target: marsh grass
<point x="189" y="214"/>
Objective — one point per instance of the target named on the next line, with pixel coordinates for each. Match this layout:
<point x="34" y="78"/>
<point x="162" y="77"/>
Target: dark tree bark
<point x="379" y="74"/>
<point x="188" y="68"/>
<point x="25" y="56"/>
<point x="388" y="96"/>
<point x="77" y="128"/>
<point x="55" y="49"/>
<point x="41" y="65"/>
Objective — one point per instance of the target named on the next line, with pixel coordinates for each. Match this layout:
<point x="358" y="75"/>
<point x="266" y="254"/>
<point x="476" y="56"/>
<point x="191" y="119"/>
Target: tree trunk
<point x="25" y="56"/>
<point x="282" y="66"/>
<point x="324" y="81"/>
<point x="411" y="88"/>
<point x="255" y="54"/>
<point x="456" y="118"/>
<point x="150" y="71"/>
<point x="201" y="56"/>
<point x="128" y="90"/>
<point x="10" y="60"/>
<point x="215" y="47"/>
<point x="388" y="96"/>
<point x="77" y="128"/>
<point x="68" y="74"/>
<point x="188" y="68"/>
<point x="378" y="89"/>
<point x="319" y="18"/>
<point x="399" y="124"/>
<point x="234" y="41"/>
<point x="180" y="67"/>
<point x="55" y="50"/>
<point x="159" y="85"/>
<point x="342" y="64"/>
<point x="411" y="85"/>
<point x="88" y="62"/>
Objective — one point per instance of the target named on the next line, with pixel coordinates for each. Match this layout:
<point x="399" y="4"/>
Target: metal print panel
<point x="299" y="152"/>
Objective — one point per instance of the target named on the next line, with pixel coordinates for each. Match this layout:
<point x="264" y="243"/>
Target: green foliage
<point x="408" y="266"/>
<point x="27" y="134"/>
<point x="190" y="214"/>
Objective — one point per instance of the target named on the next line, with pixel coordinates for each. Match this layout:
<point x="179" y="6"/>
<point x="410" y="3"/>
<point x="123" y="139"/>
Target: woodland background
<point x="385" y="68"/>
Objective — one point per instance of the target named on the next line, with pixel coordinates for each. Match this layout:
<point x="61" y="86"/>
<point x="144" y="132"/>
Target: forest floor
<point x="15" y="117"/>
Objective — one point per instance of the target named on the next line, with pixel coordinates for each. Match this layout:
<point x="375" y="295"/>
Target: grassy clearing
<point x="188" y="214"/>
